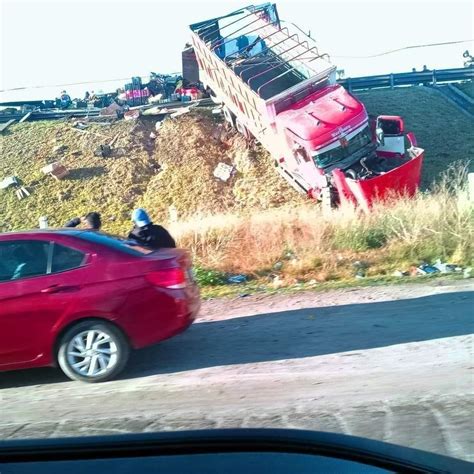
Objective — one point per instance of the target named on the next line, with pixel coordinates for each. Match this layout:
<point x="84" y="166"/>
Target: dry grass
<point x="303" y="243"/>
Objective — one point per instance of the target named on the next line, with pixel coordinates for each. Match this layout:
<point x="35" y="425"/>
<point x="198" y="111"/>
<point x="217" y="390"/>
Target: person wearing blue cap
<point x="148" y="234"/>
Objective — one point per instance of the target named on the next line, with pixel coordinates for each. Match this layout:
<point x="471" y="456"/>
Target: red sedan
<point x="84" y="299"/>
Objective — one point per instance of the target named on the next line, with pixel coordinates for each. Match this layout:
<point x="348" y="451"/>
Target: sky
<point x="50" y="43"/>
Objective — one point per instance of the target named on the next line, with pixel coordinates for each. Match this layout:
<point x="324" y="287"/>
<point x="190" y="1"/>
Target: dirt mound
<point x="189" y="149"/>
<point x="176" y="169"/>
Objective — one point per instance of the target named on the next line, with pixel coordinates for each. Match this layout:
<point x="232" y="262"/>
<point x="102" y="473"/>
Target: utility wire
<point x="429" y="45"/>
<point x="76" y="83"/>
<point x="416" y="46"/>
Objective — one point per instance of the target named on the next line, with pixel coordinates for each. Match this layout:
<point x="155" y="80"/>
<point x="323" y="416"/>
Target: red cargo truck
<point x="277" y="86"/>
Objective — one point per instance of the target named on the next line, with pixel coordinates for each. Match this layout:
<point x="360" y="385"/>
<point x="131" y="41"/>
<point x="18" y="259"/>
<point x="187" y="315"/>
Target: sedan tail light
<point x="173" y="278"/>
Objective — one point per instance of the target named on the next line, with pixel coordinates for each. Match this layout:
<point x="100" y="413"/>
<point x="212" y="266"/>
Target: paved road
<point x="394" y="364"/>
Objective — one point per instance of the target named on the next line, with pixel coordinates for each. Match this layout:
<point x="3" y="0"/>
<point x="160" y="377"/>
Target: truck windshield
<point x="341" y="152"/>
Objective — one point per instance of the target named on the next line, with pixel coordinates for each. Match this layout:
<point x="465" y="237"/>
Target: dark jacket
<point x="73" y="222"/>
<point x="153" y="236"/>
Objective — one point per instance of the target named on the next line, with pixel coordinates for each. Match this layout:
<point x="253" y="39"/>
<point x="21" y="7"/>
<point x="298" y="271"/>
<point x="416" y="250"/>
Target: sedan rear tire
<point x="93" y="351"/>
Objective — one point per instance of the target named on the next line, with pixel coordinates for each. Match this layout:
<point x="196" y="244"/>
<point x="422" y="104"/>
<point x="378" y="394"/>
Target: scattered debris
<point x="20" y="191"/>
<point x="467" y="272"/>
<point x="278" y="266"/>
<point x="155" y="99"/>
<point x="8" y="181"/>
<point x="224" y="171"/>
<point x="152" y="135"/>
<point x="56" y="170"/>
<point x="26" y="117"/>
<point x="80" y="125"/>
<point x="4" y="126"/>
<point x="103" y="150"/>
<point x="237" y="279"/>
<point x="113" y="109"/>
<point x="181" y="111"/>
<point x="426" y="269"/>
<point x="131" y="114"/>
<point x="157" y="110"/>
<point x="64" y="196"/>
<point x="360" y="268"/>
<point x="217" y="110"/>
<point x="59" y="149"/>
<point x="446" y="267"/>
<point x="277" y="282"/>
<point x="398" y="273"/>
<point x="114" y="139"/>
<point x="43" y="222"/>
<point x="158" y="125"/>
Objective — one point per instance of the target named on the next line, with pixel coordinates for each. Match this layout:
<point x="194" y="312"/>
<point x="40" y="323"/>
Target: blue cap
<point x="141" y="217"/>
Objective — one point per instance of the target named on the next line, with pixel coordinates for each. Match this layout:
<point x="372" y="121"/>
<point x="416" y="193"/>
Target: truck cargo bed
<point x="267" y="75"/>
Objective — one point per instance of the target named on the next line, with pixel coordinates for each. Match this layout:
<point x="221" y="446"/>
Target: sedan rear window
<point x="115" y="242"/>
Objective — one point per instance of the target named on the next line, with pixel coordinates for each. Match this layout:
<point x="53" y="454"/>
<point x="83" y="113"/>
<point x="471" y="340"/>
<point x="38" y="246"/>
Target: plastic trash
<point x="8" y="181"/>
<point x="43" y="222"/>
<point x="237" y="279"/>
<point x="444" y="267"/>
<point x="426" y="269"/>
<point x="398" y="273"/>
<point x="224" y="171"/>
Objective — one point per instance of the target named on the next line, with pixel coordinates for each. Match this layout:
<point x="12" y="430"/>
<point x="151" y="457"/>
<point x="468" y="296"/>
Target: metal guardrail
<point x="408" y="78"/>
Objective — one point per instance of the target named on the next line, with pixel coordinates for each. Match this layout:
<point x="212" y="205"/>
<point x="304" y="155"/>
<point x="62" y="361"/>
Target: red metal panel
<point x="403" y="180"/>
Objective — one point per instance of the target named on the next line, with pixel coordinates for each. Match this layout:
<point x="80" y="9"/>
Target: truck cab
<point x="331" y="131"/>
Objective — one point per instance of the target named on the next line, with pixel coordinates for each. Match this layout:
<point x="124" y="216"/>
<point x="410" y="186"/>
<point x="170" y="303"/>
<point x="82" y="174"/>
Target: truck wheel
<point x="242" y="129"/>
<point x="93" y="351"/>
<point x="229" y="116"/>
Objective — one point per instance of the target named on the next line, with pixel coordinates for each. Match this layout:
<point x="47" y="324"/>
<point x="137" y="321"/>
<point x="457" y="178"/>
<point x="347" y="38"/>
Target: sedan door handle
<point x="58" y="288"/>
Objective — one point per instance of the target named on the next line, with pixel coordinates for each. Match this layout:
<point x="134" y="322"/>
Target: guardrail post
<point x="392" y="83"/>
<point x="434" y="77"/>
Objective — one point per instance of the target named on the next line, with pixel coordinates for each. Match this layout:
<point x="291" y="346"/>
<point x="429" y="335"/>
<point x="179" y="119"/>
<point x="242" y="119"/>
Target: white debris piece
<point x="8" y="181"/>
<point x="223" y="171"/>
<point x="181" y="111"/>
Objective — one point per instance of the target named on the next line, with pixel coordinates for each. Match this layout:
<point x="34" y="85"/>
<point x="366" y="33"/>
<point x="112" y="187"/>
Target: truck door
<point x="390" y="136"/>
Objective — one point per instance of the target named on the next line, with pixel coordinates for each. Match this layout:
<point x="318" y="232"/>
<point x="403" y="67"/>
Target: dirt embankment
<point x="175" y="169"/>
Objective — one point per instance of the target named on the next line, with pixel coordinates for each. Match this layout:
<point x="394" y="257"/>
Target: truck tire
<point x="229" y="116"/>
<point x="103" y="360"/>
<point x="242" y="129"/>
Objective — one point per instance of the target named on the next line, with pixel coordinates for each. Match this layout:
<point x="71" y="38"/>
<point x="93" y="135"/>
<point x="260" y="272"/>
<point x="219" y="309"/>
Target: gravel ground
<point x="389" y="363"/>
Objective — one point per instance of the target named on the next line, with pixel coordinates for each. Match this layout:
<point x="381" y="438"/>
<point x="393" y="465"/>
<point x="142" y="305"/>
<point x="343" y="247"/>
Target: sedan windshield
<point x="341" y="152"/>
